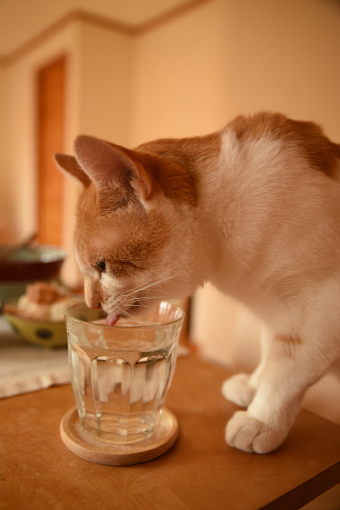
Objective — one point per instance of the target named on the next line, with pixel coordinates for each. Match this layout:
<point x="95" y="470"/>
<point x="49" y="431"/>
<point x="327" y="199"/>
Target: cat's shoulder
<point x="306" y="137"/>
<point x="277" y="125"/>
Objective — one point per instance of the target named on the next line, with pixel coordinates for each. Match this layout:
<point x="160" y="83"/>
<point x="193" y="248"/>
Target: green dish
<point x="12" y="290"/>
<point x="44" y="333"/>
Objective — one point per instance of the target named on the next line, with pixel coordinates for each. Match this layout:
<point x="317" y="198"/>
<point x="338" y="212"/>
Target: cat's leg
<point x="292" y="365"/>
<point x="241" y="388"/>
<point x="238" y="389"/>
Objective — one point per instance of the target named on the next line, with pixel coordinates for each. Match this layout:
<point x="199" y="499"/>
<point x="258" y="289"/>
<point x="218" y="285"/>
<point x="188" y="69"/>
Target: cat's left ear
<point x="108" y="165"/>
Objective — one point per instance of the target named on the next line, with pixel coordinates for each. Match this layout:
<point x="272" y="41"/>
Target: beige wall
<point x="228" y="57"/>
<point x="18" y="127"/>
<point x="19" y="131"/>
<point x="284" y="56"/>
<point x="6" y="207"/>
<point x="98" y="100"/>
<point x="105" y="87"/>
<point x="180" y="76"/>
<point x="186" y="77"/>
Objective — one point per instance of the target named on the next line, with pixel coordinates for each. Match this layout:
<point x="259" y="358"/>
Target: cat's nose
<point x="91" y="296"/>
<point x="92" y="303"/>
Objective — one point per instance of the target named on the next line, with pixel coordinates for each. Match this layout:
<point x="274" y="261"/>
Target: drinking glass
<point x="121" y="374"/>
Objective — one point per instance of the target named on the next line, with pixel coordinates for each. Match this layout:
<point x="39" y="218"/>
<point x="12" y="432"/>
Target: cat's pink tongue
<point x="111" y="320"/>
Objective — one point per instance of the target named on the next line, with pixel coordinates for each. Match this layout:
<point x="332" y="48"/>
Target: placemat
<point x="25" y="367"/>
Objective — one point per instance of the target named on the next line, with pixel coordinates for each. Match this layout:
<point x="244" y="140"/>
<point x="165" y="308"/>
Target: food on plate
<point x="42" y="301"/>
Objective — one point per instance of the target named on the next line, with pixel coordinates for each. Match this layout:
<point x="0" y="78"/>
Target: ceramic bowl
<point x="41" y="262"/>
<point x="28" y="265"/>
<point x="44" y="333"/>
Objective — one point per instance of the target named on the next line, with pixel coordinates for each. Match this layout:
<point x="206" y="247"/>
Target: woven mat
<point x="25" y="367"/>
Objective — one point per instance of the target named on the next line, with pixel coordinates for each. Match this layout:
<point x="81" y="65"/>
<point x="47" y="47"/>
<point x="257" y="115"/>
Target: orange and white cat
<point x="254" y="209"/>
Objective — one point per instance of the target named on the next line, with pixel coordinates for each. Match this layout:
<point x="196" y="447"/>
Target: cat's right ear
<point x="70" y="165"/>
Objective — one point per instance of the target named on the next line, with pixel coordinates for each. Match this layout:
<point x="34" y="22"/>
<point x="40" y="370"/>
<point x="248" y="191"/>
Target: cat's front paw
<point x="238" y="390"/>
<point x="251" y="435"/>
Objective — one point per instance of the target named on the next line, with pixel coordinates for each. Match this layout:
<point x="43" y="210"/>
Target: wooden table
<point x="199" y="472"/>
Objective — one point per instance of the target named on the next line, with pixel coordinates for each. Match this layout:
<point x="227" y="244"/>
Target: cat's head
<point x="133" y="238"/>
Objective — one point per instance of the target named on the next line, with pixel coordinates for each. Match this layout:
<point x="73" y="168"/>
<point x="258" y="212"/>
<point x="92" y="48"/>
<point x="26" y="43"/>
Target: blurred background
<point x="131" y="71"/>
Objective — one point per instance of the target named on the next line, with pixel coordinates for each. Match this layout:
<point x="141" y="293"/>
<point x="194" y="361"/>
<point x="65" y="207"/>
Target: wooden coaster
<point x="88" y="448"/>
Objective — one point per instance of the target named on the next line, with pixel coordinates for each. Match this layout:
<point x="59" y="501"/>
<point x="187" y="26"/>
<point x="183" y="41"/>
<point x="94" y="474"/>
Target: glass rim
<point x="117" y="326"/>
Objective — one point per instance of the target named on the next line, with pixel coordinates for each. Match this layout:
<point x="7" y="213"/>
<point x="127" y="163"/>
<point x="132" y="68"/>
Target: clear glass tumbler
<point x="121" y="374"/>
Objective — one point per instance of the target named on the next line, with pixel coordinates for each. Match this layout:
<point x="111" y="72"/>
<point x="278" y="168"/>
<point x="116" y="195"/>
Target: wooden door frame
<point x="50" y="136"/>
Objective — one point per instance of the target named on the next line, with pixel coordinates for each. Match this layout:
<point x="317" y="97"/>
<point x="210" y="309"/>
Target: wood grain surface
<point x="200" y="471"/>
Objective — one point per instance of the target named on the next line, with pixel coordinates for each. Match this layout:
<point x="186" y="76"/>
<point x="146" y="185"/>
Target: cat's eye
<point x="101" y="265"/>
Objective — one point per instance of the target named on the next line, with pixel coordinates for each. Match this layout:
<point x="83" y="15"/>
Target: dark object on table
<point x="31" y="263"/>
<point x="27" y="265"/>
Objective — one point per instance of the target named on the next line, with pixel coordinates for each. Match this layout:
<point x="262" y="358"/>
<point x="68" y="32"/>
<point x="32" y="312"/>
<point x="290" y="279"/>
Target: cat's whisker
<point x="141" y="305"/>
<point x="120" y="310"/>
<point x="166" y="277"/>
<point x="167" y="274"/>
<point x="146" y="287"/>
<point x="143" y="298"/>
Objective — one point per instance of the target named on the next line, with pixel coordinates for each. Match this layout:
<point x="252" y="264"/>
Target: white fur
<point x="294" y="286"/>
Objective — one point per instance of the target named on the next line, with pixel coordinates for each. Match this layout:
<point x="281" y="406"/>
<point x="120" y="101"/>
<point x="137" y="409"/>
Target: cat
<point x="255" y="210"/>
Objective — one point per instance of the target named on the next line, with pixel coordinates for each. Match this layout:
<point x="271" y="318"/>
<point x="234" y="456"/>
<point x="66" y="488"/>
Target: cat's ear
<point x="108" y="165"/>
<point x="70" y="165"/>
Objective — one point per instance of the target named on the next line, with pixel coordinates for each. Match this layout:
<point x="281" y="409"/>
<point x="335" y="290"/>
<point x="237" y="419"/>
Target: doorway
<point x="50" y="134"/>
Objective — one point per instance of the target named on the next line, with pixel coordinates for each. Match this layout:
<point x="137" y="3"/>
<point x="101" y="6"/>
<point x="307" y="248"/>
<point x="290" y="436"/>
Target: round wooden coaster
<point x="88" y="448"/>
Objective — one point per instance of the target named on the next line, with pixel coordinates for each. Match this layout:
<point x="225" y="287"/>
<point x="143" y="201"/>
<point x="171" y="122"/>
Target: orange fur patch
<point x="142" y="245"/>
<point x="172" y="164"/>
<point x="127" y="240"/>
<point x="320" y="152"/>
<point x="289" y="339"/>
